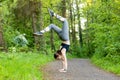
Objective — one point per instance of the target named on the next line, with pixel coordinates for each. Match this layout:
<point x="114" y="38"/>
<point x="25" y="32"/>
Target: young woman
<point x="64" y="36"/>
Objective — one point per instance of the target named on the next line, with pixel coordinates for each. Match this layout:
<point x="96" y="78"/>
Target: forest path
<point x="78" y="69"/>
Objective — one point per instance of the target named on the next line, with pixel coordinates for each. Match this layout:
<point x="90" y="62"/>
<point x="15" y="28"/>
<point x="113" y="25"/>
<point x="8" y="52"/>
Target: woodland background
<point x="94" y="28"/>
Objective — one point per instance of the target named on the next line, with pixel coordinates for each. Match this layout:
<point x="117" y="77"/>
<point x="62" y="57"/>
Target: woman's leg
<point x="51" y="26"/>
<point x="64" y="35"/>
<point x="65" y="28"/>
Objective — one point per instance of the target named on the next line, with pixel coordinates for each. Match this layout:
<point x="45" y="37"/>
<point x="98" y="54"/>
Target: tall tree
<point x="2" y="42"/>
<point x="2" y="45"/>
<point x="71" y="21"/>
<point x="37" y="23"/>
<point x="79" y="22"/>
<point x="63" y="8"/>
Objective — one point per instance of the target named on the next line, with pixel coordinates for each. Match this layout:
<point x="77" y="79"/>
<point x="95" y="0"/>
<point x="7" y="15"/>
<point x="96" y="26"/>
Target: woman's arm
<point x="64" y="60"/>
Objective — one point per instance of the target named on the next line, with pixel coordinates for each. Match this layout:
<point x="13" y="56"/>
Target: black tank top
<point x="66" y="46"/>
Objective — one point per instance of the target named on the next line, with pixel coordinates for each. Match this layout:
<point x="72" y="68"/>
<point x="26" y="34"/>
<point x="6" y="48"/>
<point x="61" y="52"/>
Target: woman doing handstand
<point x="64" y="36"/>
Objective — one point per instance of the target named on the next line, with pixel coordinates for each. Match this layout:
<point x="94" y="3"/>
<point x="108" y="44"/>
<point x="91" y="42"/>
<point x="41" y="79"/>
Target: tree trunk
<point x="74" y="20"/>
<point x="71" y="21"/>
<point x="41" y="39"/>
<point x="87" y="37"/>
<point x="79" y="23"/>
<point x="34" y="26"/>
<point x="37" y="20"/>
<point x="64" y="8"/>
<point x="52" y="35"/>
<point x="1" y="36"/>
<point x="2" y="44"/>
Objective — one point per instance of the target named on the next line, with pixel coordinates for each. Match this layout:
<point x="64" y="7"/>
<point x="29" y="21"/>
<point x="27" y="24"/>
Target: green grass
<point x="110" y="64"/>
<point x="22" y="66"/>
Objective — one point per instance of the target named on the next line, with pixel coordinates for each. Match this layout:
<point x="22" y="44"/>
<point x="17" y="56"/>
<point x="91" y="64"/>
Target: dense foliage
<point x="104" y="33"/>
<point x="105" y="29"/>
<point x="100" y="39"/>
<point x="17" y="18"/>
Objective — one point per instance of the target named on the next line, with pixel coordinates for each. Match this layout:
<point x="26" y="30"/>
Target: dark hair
<point x="57" y="54"/>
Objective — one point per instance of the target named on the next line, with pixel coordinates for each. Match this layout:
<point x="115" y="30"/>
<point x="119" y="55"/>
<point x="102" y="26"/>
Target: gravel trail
<point x="78" y="69"/>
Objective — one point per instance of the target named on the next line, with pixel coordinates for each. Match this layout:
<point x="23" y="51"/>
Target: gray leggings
<point x="64" y="32"/>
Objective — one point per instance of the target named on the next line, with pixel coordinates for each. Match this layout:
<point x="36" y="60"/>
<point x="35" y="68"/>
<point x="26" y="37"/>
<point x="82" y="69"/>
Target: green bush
<point x="20" y="40"/>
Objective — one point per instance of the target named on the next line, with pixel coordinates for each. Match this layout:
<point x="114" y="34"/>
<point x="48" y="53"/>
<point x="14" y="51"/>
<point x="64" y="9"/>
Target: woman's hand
<point x="62" y="70"/>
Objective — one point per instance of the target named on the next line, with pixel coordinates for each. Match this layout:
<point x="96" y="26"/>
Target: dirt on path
<point x="78" y="69"/>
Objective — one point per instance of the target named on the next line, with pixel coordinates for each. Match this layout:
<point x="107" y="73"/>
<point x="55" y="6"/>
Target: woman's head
<point x="58" y="55"/>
